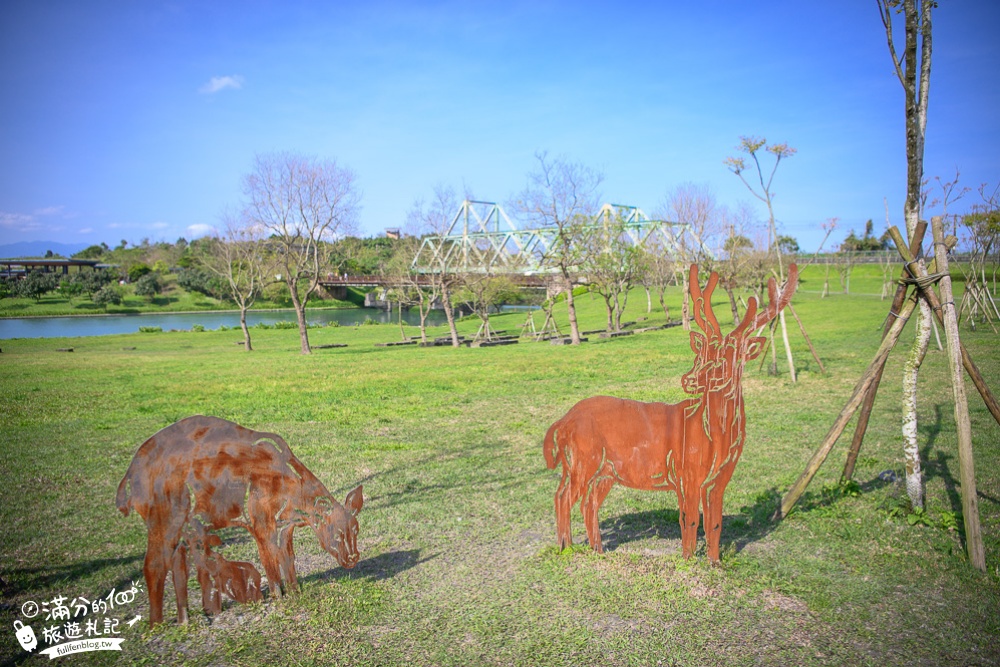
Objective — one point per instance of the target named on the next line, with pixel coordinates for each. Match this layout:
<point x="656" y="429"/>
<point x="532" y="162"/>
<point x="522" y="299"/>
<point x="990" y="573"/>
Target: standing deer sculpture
<point x="206" y="471"/>
<point x="690" y="448"/>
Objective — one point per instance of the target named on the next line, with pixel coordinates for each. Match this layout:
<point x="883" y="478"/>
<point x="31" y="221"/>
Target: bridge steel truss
<point x="482" y="239"/>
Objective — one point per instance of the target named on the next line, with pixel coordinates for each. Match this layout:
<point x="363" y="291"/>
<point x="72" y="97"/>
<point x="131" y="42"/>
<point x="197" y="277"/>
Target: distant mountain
<point x="39" y="248"/>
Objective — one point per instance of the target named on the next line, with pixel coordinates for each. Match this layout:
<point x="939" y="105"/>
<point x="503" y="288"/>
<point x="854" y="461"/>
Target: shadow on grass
<point x="377" y="568"/>
<point x="752" y="523"/>
<point x="443" y="480"/>
<point x="23" y="580"/>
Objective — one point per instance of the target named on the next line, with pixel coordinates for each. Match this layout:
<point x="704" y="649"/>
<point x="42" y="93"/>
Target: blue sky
<point x="132" y="120"/>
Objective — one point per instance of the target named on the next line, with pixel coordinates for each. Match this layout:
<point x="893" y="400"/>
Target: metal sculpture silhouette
<point x="690" y="447"/>
<point x="205" y="473"/>
<point x="237" y="579"/>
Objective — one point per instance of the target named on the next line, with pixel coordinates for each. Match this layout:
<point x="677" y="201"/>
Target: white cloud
<point x="49" y="210"/>
<point x="198" y="230"/>
<point x="18" y="222"/>
<point x="86" y="230"/>
<point x="218" y="83"/>
<point x="159" y="225"/>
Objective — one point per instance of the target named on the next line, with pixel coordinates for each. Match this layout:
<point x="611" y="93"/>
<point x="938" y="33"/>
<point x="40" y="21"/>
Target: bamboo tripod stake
<point x="874" y="370"/>
<point x="967" y="473"/>
<point x="916" y="243"/>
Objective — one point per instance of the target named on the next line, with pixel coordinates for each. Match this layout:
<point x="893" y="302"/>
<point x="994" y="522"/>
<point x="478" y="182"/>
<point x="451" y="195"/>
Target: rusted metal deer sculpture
<point x="218" y="473"/>
<point x="690" y="447"/>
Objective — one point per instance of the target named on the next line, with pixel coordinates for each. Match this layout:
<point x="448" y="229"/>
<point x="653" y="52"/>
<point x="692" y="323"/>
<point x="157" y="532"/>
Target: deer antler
<point x="775" y="302"/>
<point x="704" y="317"/>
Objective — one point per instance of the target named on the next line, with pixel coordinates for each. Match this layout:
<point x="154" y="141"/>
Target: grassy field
<point x="457" y="533"/>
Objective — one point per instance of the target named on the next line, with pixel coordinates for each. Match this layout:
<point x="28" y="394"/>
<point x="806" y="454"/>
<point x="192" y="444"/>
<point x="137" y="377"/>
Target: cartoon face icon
<point x="25" y="636"/>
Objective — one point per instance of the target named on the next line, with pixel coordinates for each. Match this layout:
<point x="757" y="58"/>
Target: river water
<point x="100" y="325"/>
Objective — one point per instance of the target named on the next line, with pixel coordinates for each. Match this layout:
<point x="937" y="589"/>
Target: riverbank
<point x="176" y="302"/>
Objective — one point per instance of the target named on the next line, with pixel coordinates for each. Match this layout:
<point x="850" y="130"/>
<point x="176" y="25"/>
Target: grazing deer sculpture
<point x="218" y="473"/>
<point x="690" y="448"/>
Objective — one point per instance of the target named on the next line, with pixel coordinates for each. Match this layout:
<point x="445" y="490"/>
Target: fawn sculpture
<point x="690" y="448"/>
<point x="239" y="580"/>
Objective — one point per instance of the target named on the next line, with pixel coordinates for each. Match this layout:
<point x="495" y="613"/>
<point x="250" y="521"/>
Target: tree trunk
<point x="685" y="304"/>
<point x="911" y="368"/>
<point x="649" y="300"/>
<point x="663" y="305"/>
<point x="425" y="309"/>
<point x="300" y="315"/>
<point x="574" y="328"/>
<point x="399" y="317"/>
<point x="619" y="311"/>
<point x="449" y="313"/>
<point x="788" y="347"/>
<point x="246" y="331"/>
<point x="732" y="306"/>
<point x="610" y="311"/>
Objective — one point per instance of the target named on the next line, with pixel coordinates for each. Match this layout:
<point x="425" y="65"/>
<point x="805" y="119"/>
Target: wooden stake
<point x="916" y="245"/>
<point x="860" y="389"/>
<point x="970" y="504"/>
<point x="806" y="336"/>
<point x="970" y="367"/>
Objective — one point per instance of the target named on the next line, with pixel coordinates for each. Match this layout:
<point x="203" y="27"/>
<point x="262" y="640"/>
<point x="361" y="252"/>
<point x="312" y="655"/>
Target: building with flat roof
<point x="21" y="267"/>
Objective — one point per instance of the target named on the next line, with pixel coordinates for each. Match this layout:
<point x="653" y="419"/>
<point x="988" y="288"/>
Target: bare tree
<point x="434" y="219"/>
<point x="412" y="288"/>
<point x="981" y="229"/>
<point x="909" y="68"/>
<point x="483" y="291"/>
<point x="695" y="207"/>
<point x="239" y="256"/>
<point x="303" y="204"/>
<point x="612" y="266"/>
<point x="563" y="197"/>
<point x="739" y="251"/>
<point x="660" y="269"/>
<point x="752" y="147"/>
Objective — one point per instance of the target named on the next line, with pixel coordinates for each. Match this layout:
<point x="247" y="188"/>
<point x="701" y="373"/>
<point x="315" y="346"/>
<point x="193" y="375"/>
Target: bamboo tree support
<point x="863" y="386"/>
<point x="916" y="243"/>
<point x="970" y="366"/>
<point x="860" y="389"/>
<point x="970" y="504"/>
<point x="806" y="336"/>
<point x="767" y="346"/>
<point x="866" y="381"/>
<point x="528" y="328"/>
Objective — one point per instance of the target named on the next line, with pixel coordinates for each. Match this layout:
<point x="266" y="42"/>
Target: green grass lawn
<point x="458" y="532"/>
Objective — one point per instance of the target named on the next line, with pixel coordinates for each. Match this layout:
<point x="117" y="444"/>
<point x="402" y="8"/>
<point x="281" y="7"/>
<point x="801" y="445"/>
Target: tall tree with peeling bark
<point x="303" y="204"/>
<point x="913" y="69"/>
<point x="752" y="147"/>
<point x="563" y="197"/>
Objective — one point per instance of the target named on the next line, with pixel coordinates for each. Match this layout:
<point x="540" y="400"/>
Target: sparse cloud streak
<point x="219" y="83"/>
<point x="199" y="230"/>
